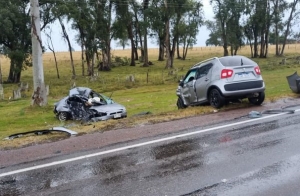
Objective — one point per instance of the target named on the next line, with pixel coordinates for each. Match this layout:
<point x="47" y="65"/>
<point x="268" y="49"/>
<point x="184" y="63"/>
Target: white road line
<point x="137" y="145"/>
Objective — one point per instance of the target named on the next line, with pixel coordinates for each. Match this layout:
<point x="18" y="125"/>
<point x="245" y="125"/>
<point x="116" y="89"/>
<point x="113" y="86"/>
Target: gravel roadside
<point x="101" y="139"/>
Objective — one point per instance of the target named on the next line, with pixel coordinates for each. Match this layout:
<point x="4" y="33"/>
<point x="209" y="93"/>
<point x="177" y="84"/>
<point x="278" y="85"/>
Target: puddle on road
<point x="176" y="157"/>
<point x="174" y="149"/>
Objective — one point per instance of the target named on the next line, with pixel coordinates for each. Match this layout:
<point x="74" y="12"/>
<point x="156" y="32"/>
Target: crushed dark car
<point x="86" y="105"/>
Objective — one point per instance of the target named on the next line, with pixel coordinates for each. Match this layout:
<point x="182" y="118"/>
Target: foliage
<point x="122" y="61"/>
<point x="15" y="34"/>
<point x="173" y="23"/>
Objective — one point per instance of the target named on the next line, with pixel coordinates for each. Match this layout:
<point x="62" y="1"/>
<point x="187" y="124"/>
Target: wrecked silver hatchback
<point x="84" y="104"/>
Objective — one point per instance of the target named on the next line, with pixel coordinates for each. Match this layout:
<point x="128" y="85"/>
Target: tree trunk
<point x="1" y="79"/>
<point x="287" y="31"/>
<point x="161" y="52"/>
<point x="51" y="48"/>
<point x="177" y="51"/>
<point x="169" y="63"/>
<point x="146" y="60"/>
<point x="130" y="36"/>
<point x="224" y="37"/>
<point x="88" y="58"/>
<point x="185" y="50"/>
<point x="132" y="61"/>
<point x="65" y="35"/>
<point x="38" y="72"/>
<point x="82" y="60"/>
<point x="82" y="49"/>
<point x="139" y="35"/>
<point x="56" y="66"/>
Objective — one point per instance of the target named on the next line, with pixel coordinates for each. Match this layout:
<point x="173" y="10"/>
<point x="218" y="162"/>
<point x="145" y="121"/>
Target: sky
<point x="61" y="45"/>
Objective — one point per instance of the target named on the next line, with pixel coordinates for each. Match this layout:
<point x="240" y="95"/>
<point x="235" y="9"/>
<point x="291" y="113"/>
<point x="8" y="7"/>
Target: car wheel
<point x="257" y="100"/>
<point x="216" y="100"/>
<point x="180" y="103"/>
<point x="63" y="116"/>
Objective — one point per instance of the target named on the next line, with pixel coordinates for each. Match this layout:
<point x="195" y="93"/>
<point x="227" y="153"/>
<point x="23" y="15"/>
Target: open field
<point x="153" y="90"/>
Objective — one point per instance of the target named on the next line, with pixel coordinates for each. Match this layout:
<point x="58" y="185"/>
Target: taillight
<point x="257" y="70"/>
<point x="226" y="73"/>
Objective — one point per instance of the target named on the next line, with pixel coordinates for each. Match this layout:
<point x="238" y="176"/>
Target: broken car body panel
<point x="294" y="82"/>
<point x="42" y="132"/>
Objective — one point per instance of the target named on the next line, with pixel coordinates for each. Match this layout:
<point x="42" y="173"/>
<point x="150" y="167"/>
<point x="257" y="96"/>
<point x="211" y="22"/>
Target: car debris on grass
<point x="42" y="132"/>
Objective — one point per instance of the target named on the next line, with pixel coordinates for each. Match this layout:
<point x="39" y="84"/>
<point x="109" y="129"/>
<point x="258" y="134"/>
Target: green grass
<point x="152" y="91"/>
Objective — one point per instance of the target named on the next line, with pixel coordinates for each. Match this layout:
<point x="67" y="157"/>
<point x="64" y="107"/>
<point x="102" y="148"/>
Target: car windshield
<point x="107" y="99"/>
<point x="232" y="61"/>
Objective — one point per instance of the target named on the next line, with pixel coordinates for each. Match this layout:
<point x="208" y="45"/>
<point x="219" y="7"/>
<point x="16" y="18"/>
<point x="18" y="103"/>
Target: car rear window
<point x="231" y="61"/>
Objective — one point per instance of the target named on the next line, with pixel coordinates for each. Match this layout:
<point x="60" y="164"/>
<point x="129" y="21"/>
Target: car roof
<point x="227" y="61"/>
<point x="199" y="64"/>
<point x="84" y="91"/>
<point x="231" y="61"/>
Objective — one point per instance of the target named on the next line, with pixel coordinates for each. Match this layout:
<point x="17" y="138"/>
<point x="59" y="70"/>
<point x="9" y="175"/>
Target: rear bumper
<point x="244" y="86"/>
<point x="243" y="89"/>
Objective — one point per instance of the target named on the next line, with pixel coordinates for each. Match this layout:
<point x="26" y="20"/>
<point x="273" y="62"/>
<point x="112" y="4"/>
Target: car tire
<point x="63" y="116"/>
<point x="257" y="100"/>
<point x="180" y="103"/>
<point x="216" y="99"/>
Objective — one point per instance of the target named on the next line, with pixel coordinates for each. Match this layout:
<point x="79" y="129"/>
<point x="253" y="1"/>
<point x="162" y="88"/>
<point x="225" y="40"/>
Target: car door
<point x="203" y="77"/>
<point x="188" y="90"/>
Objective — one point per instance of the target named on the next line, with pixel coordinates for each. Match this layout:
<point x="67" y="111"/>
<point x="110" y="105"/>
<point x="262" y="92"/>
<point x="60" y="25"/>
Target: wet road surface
<point x="246" y="157"/>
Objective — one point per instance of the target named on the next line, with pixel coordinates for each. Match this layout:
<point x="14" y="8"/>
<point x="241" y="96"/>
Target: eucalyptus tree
<point x="67" y="9"/>
<point x="124" y="25"/>
<point x="137" y="32"/>
<point x="157" y="26"/>
<point x="215" y="33"/>
<point x="51" y="48"/>
<point x="278" y="12"/>
<point x="188" y="26"/>
<point x="257" y="27"/>
<point x="228" y="13"/>
<point x="137" y="11"/>
<point x="280" y="7"/>
<point x="177" y="17"/>
<point x="222" y="15"/>
<point x="15" y="34"/>
<point x="234" y="28"/>
<point x="83" y="20"/>
<point x="145" y="31"/>
<point x="104" y="29"/>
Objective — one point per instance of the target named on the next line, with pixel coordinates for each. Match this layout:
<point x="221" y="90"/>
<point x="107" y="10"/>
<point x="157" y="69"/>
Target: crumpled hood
<point x="109" y="108"/>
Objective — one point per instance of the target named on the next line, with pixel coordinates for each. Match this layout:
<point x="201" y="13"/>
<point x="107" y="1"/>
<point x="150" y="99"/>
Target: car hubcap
<point x="62" y="116"/>
<point x="214" y="98"/>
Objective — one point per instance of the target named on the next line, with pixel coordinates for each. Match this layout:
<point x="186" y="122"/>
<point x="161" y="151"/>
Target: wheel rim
<point x="62" y="116"/>
<point x="214" y="99"/>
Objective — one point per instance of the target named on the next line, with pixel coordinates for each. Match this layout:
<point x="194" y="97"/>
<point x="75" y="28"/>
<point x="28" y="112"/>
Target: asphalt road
<point x="241" y="156"/>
